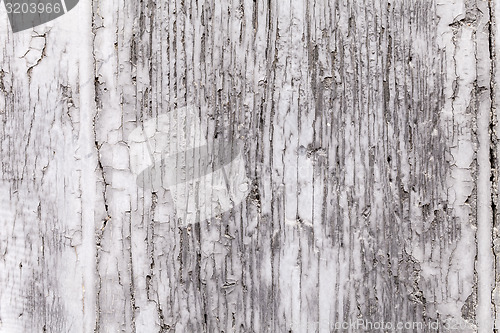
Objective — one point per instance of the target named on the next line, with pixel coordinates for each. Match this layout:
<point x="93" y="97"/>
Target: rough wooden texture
<point x="367" y="129"/>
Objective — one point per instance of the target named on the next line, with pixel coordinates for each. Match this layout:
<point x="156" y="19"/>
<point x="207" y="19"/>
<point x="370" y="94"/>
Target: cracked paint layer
<point x="366" y="139"/>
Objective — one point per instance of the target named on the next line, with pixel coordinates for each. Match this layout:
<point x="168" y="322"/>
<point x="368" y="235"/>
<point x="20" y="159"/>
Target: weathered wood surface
<point x="369" y="145"/>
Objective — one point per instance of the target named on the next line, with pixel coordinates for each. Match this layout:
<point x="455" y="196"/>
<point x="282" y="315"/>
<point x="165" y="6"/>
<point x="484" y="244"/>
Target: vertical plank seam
<point x="486" y="194"/>
<point x="493" y="8"/>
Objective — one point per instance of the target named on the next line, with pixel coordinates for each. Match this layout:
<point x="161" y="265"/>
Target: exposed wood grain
<point x="368" y="144"/>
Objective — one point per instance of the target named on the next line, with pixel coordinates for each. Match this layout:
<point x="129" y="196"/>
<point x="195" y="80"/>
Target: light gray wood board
<point x="45" y="272"/>
<point x="360" y="140"/>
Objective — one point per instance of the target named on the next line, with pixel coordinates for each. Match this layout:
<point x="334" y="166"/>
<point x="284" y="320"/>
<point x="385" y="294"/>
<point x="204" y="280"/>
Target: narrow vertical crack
<point x="486" y="156"/>
<point x="493" y="150"/>
<point x="98" y="235"/>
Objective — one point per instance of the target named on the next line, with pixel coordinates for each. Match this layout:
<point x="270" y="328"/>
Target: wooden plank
<point x="46" y="273"/>
<point x="365" y="169"/>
